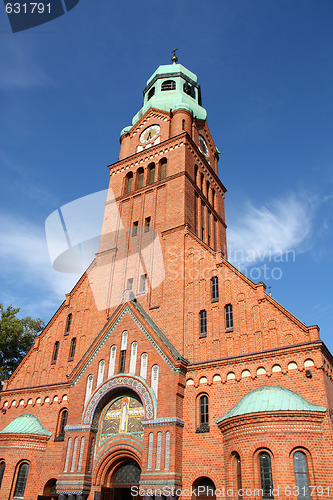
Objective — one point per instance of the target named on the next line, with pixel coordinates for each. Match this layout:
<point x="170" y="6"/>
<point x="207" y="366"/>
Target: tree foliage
<point x="17" y="335"/>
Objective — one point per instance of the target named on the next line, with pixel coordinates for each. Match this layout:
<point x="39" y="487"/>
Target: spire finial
<point x="174" y="58"/>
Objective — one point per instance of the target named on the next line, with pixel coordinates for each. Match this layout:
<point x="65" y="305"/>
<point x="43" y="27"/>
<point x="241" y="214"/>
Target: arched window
<point x="62" y="422"/>
<point x="266" y="477"/>
<point x="151" y="93"/>
<point x="68" y="324"/>
<point x="203" y="323"/>
<point x="134" y="350"/>
<point x="72" y="349"/>
<point x="215" y="288"/>
<point x="204" y="410"/>
<point x="140" y="177"/>
<point x="238" y="474"/>
<point x="100" y="374"/>
<point x="89" y="388"/>
<point x="189" y="89"/>
<point x="196" y="174"/>
<point x="168" y="85"/>
<point x="301" y="476"/>
<point x="154" y="378"/>
<point x="55" y="352"/>
<point x="112" y="361"/>
<point x="151" y="176"/>
<point x="163" y="168"/>
<point x="183" y="124"/>
<point x="21" y="481"/>
<point x="229" y="319"/>
<point x="143" y="365"/>
<point x="129" y="182"/>
<point x="213" y="198"/>
<point x="2" y="471"/>
<point x="202" y="414"/>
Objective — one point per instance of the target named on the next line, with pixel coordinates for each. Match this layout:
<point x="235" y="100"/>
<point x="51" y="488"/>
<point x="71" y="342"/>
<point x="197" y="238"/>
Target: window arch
<point x="154" y="378"/>
<point x="204" y="487"/>
<point x="266" y="477"/>
<point x="163" y="168"/>
<point x="55" y="351"/>
<point x="238" y="475"/>
<point x="140" y="173"/>
<point x="203" y="413"/>
<point x="62" y="422"/>
<point x="168" y="85"/>
<point x="68" y="323"/>
<point x="229" y="317"/>
<point x="189" y="89"/>
<point x="89" y="386"/>
<point x="151" y="173"/>
<point x="128" y="182"/>
<point x="301" y="475"/>
<point x="72" y="349"/>
<point x="2" y="470"/>
<point x="100" y="374"/>
<point x="215" y="288"/>
<point x="143" y="365"/>
<point x="203" y="323"/>
<point x="21" y="481"/>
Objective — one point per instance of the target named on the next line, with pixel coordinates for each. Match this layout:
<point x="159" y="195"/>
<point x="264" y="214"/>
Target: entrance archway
<point x="121" y="480"/>
<point x="204" y="489"/>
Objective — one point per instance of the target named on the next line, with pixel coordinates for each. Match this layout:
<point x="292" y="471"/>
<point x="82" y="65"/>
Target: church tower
<point x="165" y="186"/>
<point x="166" y="372"/>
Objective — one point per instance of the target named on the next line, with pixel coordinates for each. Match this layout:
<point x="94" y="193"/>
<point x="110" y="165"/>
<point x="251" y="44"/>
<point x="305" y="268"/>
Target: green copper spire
<point x="172" y="87"/>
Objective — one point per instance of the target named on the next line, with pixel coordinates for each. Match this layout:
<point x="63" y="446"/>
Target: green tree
<point x="16" y="337"/>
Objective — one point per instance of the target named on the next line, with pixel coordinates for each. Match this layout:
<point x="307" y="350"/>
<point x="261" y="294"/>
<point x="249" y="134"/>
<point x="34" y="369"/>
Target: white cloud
<point x="19" y="65"/>
<point x="28" y="279"/>
<point x="264" y="232"/>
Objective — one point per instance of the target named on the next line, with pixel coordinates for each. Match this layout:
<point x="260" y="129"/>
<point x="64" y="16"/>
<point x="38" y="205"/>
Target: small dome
<point x="26" y="424"/>
<point x="270" y="399"/>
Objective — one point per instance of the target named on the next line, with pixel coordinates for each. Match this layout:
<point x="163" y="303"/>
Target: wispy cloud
<point x="257" y="233"/>
<point x="19" y="67"/>
<point x="28" y="279"/>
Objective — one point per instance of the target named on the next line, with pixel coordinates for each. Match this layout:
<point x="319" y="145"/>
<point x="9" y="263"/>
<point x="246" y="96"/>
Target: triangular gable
<point x="148" y="327"/>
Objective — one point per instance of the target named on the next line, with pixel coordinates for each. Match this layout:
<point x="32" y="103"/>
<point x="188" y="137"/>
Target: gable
<point x="145" y="330"/>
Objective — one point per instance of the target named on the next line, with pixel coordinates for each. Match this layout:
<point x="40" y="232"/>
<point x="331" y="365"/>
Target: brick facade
<point x="142" y="361"/>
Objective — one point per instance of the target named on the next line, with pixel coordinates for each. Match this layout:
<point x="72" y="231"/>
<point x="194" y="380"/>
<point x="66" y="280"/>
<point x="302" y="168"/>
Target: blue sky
<point x="265" y="68"/>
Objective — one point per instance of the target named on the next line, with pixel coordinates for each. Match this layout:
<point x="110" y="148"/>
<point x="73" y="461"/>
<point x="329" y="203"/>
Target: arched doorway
<point x="124" y="476"/>
<point x="204" y="489"/>
<point x="49" y="492"/>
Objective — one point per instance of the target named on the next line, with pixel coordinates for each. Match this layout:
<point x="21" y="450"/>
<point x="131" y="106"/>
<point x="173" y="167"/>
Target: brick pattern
<point x="266" y="346"/>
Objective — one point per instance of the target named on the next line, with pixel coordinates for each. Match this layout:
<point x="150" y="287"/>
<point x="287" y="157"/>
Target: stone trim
<point x="116" y="382"/>
<point x="163" y="421"/>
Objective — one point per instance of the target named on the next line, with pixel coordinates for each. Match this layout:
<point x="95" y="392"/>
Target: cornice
<point x="252" y="356"/>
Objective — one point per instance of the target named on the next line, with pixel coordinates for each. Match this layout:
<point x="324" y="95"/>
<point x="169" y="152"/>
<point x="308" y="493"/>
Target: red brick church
<point x="166" y="372"/>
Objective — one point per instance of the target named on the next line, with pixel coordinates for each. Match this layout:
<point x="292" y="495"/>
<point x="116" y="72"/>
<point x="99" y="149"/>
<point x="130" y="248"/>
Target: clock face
<point x="150" y="133"/>
<point x="203" y="145"/>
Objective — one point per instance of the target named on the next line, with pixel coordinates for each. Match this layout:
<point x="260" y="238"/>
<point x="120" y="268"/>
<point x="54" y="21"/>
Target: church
<point x="166" y="372"/>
